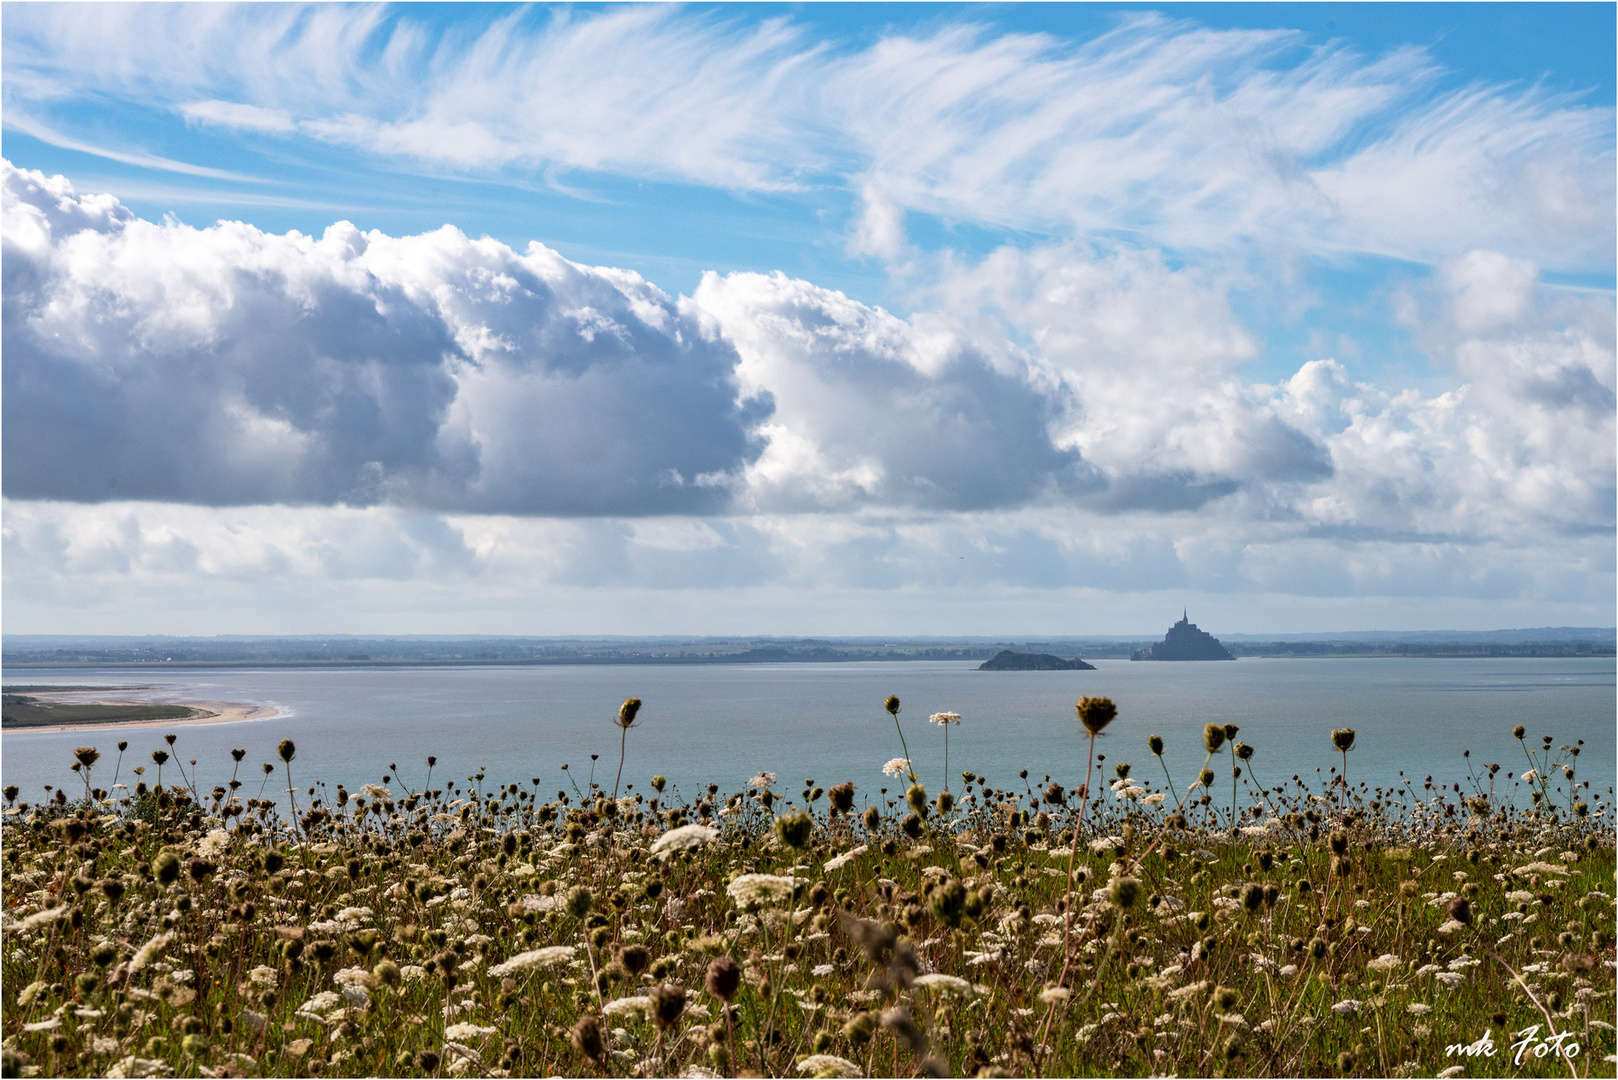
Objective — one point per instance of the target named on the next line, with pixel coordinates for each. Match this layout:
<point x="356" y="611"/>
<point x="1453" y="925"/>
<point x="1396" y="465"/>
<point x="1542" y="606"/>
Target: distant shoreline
<point x="1503" y="653"/>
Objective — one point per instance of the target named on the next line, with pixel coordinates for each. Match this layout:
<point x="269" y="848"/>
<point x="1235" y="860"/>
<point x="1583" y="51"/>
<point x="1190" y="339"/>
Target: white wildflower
<point x="1055" y="995"/>
<point x="1154" y="799"/>
<point x="1416" y="1008"/>
<point x="627" y="1004"/>
<point x="1530" y="776"/>
<point x="527" y="961"/>
<point x="820" y="971"/>
<point x="1385" y="962"/>
<point x="265" y="977"/>
<point x="947" y="983"/>
<point x="845" y="858"/>
<point x="1348" y="1005"/>
<point x="214" y="843"/>
<point x="762" y="780"/>
<point x="750" y="889"/>
<point x="684" y="838"/>
<point x="381" y="794"/>
<point x="827" y="1065"/>
<point x="945" y="718"/>
<point x="898" y="767"/>
<point x="1450" y="978"/>
<point x="148" y="952"/>
<point x="465" y="1032"/>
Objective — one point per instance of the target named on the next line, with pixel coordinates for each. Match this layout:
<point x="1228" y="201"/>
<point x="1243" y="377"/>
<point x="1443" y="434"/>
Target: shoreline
<point x="213" y="712"/>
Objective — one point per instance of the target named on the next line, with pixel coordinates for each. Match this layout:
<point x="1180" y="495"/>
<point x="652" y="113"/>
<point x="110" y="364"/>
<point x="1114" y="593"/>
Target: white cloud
<point x="230" y="366"/>
<point x="449" y="414"/>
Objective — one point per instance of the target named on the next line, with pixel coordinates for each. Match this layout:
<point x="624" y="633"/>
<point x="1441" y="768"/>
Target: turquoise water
<point x="825" y="721"/>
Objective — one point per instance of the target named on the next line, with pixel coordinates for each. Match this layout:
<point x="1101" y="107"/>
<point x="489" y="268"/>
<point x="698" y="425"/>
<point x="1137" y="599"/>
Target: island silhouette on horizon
<point x="1184" y="642"/>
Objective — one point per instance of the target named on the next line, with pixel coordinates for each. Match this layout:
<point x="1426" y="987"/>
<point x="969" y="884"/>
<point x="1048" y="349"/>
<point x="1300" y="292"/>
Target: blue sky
<point x="1024" y="318"/>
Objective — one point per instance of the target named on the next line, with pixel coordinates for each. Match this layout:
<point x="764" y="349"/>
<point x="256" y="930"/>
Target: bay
<point x="825" y="722"/>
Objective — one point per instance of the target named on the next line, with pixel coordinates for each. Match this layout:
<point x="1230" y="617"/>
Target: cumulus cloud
<point x="230" y="366"/>
<point x="1198" y="138"/>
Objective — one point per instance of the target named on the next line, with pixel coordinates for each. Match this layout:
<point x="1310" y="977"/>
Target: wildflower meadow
<point x="238" y="919"/>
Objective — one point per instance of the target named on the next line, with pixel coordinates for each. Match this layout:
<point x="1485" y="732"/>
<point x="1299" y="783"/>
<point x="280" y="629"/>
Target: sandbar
<point x="208" y="712"/>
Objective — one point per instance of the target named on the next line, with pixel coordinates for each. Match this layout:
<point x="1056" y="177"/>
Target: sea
<point x="551" y="728"/>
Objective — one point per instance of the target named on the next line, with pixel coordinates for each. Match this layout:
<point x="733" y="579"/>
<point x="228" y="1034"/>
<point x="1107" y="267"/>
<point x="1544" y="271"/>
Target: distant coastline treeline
<point x="20" y="651"/>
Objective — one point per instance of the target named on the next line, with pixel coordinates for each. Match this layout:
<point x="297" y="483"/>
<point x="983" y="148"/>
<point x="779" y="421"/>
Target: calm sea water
<point x="826" y="722"/>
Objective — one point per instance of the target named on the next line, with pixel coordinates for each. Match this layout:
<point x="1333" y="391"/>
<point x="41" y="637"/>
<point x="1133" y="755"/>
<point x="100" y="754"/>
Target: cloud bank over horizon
<point x="1109" y="407"/>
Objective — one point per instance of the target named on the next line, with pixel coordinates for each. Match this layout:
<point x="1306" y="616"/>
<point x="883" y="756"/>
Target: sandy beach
<point x="209" y="712"/>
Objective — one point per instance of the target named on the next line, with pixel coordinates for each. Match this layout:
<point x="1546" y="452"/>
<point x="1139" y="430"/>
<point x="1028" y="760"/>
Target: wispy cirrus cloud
<point x="1187" y="136"/>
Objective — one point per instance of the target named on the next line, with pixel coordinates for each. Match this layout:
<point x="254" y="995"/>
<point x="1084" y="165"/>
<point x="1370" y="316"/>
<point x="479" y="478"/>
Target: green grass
<point x="20" y="711"/>
<point x="197" y="932"/>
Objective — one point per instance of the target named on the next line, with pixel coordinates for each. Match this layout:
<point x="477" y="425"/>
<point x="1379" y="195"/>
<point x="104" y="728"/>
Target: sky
<point x="807" y="319"/>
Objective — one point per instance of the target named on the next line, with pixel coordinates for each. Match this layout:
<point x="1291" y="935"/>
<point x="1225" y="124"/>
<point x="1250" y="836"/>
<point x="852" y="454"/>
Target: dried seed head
<point x="1244" y="751"/>
<point x="628" y="711"/>
<point x="724" y="976"/>
<point x="1124" y="891"/>
<point x="87" y="755"/>
<point x="1155" y="743"/>
<point x="892" y="705"/>
<point x="1095" y="713"/>
<point x="793" y="829"/>
<point x="1343" y="739"/>
<point x="1213" y="737"/>
<point x="1460" y="909"/>
<point x="287" y="749"/>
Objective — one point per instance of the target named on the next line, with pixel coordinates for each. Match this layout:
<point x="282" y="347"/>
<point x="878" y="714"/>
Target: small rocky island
<point x="1006" y="660"/>
<point x="1184" y="642"/>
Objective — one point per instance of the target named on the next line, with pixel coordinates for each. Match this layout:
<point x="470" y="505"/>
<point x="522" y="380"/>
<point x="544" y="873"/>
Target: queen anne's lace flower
<point x="527" y="961"/>
<point x="898" y="767"/>
<point x="944" y="718"/>
<point x="684" y="838"/>
<point x="750" y="889"/>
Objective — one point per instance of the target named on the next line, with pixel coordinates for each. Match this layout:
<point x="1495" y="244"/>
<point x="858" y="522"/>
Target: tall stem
<point x="908" y="765"/>
<point x="293" y="795"/>
<point x="623" y="746"/>
<point x="946" y="757"/>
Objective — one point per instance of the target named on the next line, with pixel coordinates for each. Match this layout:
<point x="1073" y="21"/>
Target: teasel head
<point x="1343" y="739"/>
<point x="723" y="978"/>
<point x="1124" y="891"/>
<point x="627" y="712"/>
<point x="1213" y="738"/>
<point x="1155" y="744"/>
<point x="1095" y="713"/>
<point x="793" y="830"/>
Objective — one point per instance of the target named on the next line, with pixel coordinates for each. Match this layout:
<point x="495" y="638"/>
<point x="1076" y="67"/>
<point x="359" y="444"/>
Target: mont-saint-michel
<point x="1184" y="642"/>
